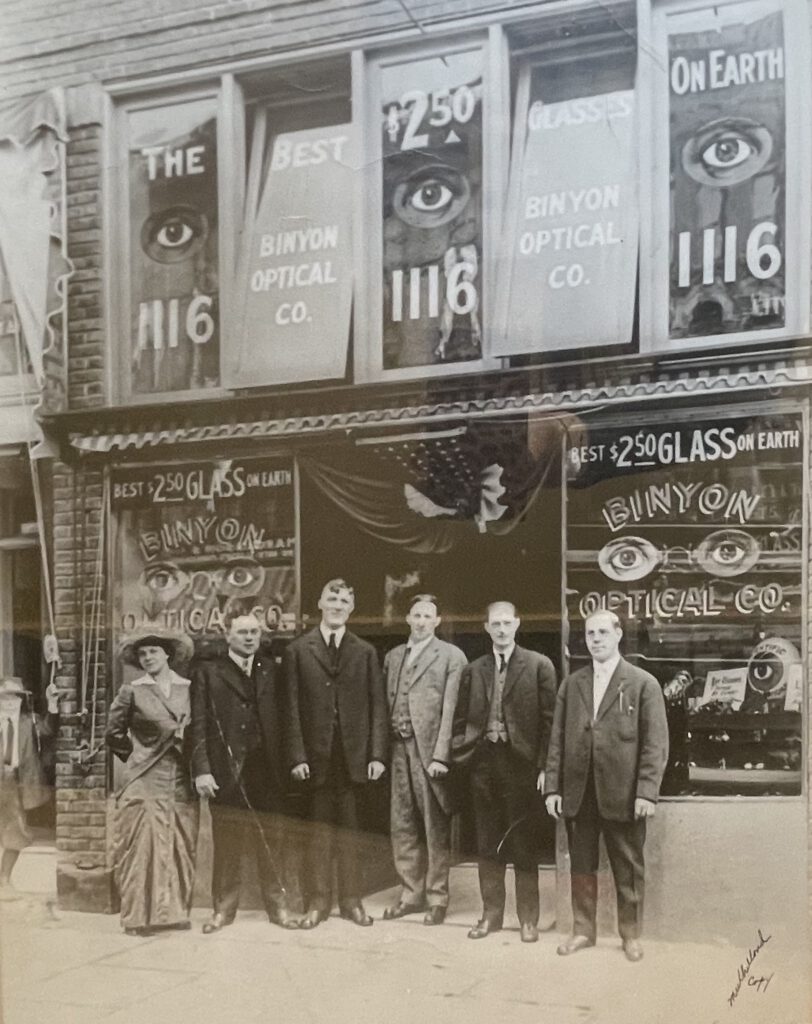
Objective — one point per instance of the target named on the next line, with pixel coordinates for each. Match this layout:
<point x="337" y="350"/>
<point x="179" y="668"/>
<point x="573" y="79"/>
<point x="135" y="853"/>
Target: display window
<point x="169" y="302"/>
<point x="729" y="153"/>
<point x="196" y="542"/>
<point x="692" y="532"/>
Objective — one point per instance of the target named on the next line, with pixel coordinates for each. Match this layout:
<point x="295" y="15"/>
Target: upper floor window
<point x="171" y="319"/>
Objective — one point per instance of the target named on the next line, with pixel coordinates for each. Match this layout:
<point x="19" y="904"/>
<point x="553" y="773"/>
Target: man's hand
<point x="644" y="808"/>
<point x="554" y="805"/>
<point x="437" y="770"/>
<point x="52" y="696"/>
<point x="301" y="772"/>
<point x="375" y="770"/>
<point x="206" y="785"/>
<point x="540" y="782"/>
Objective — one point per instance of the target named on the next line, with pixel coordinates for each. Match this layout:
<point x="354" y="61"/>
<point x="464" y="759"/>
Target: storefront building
<point x="493" y="303"/>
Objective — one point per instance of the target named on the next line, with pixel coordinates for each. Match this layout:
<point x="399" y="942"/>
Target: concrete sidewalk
<point x="67" y="967"/>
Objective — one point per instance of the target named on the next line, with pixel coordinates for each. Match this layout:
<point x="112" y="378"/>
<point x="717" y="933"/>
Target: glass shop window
<point x="294" y="280"/>
<point x="692" y="532"/>
<point x="568" y="269"/>
<point x="168" y="295"/>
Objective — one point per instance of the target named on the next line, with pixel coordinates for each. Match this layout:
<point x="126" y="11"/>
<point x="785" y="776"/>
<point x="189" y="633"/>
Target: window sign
<point x="728" y="266"/>
<point x="432" y="210"/>
<point x="693" y="534"/>
<point x="197" y="542"/>
<point x="573" y="221"/>
<point x="297" y="292"/>
<point x="174" y="321"/>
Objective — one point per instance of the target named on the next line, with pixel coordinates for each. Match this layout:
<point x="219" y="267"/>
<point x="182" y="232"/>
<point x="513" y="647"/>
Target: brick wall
<point x="78" y="41"/>
<point x="86" y="381"/>
<point x="83" y="862"/>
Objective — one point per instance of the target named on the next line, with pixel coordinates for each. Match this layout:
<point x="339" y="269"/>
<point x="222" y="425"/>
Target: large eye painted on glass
<point x="727" y="553"/>
<point x="727" y="151"/>
<point x="628" y="558"/>
<point x="241" y="577"/>
<point x="431" y="196"/>
<point x="174" y="234"/>
<point x="164" y="580"/>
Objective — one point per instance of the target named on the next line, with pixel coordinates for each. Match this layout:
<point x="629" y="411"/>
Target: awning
<point x="681" y="380"/>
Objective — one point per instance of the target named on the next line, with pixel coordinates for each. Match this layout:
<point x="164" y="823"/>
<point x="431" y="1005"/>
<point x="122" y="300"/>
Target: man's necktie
<point x="246" y="667"/>
<point x="8" y="745"/>
<point x="332" y="648"/>
<point x="502" y="664"/>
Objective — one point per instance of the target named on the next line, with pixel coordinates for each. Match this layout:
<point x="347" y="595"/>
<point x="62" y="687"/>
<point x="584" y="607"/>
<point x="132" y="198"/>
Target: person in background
<point x="23" y="786"/>
<point x="336" y="740"/>
<point x="156" y="808"/>
<point x="237" y="764"/>
<point x="422" y="682"/>
<point x="501" y="732"/>
<point x="608" y="751"/>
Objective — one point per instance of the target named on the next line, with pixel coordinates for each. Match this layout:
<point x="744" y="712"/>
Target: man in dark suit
<point x="501" y="732"/>
<point x="422" y="683"/>
<point x="608" y="752"/>
<point x="336" y="742"/>
<point x="237" y="764"/>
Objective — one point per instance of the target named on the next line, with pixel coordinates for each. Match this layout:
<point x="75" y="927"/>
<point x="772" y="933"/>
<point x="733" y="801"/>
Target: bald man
<point x="608" y="752"/>
<point x="501" y="731"/>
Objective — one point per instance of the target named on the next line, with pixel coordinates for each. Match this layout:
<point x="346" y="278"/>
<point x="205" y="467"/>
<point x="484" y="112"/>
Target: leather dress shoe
<point x="434" y="915"/>
<point x="484" y="927"/>
<point x="575" y="943"/>
<point x="357" y="915"/>
<point x="529" y="931"/>
<point x="401" y="910"/>
<point x="215" y="923"/>
<point x="633" y="950"/>
<point x="313" y="918"/>
<point x="284" y="918"/>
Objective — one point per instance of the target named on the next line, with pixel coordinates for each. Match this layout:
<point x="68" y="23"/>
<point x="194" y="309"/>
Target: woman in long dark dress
<point x="157" y="810"/>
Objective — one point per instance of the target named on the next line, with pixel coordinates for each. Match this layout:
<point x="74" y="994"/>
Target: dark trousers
<point x="335" y="813"/>
<point x="255" y="821"/>
<point x="503" y="790"/>
<point x="624" y="845"/>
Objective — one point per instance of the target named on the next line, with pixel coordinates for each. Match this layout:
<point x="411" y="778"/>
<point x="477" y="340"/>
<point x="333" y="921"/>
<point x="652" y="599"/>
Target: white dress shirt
<point x="245" y="664"/>
<point x="416" y="647"/>
<point x="339" y="633"/>
<point x="602" y="672"/>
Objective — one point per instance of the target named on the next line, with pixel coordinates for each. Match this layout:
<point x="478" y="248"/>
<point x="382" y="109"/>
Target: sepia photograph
<point x="405" y="511"/>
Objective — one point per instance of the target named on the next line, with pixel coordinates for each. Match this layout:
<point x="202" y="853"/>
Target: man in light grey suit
<point x="422" y="683"/>
<point x="607" y="754"/>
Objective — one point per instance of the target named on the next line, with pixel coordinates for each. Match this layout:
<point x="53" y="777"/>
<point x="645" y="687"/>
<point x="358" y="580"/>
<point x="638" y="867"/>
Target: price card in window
<point x="727" y="686"/>
<point x="432" y="211"/>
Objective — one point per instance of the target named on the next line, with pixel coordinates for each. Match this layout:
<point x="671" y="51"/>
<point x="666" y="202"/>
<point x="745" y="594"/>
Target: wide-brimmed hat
<point x="12" y="685"/>
<point x="177" y="645"/>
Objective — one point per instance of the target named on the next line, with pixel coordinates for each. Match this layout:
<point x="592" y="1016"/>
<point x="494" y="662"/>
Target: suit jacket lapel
<point x="487" y="674"/>
<point x="319" y="649"/>
<point x="395" y="669"/>
<point x="611" y="691"/>
<point x="429" y="654"/>
<point x="515" y="669"/>
<point x="261" y="673"/>
<point x="235" y="678"/>
<point x="585" y="688"/>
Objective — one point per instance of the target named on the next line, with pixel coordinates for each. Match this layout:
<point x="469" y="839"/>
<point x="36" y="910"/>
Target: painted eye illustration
<point x="727" y="151"/>
<point x="431" y="196"/>
<point x="165" y="580"/>
<point x="171" y="235"/>
<point x="242" y="577"/>
<point x="727" y="553"/>
<point x="628" y="558"/>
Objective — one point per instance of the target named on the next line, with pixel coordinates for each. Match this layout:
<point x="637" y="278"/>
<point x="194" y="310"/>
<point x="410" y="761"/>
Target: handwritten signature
<point x="759" y="984"/>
